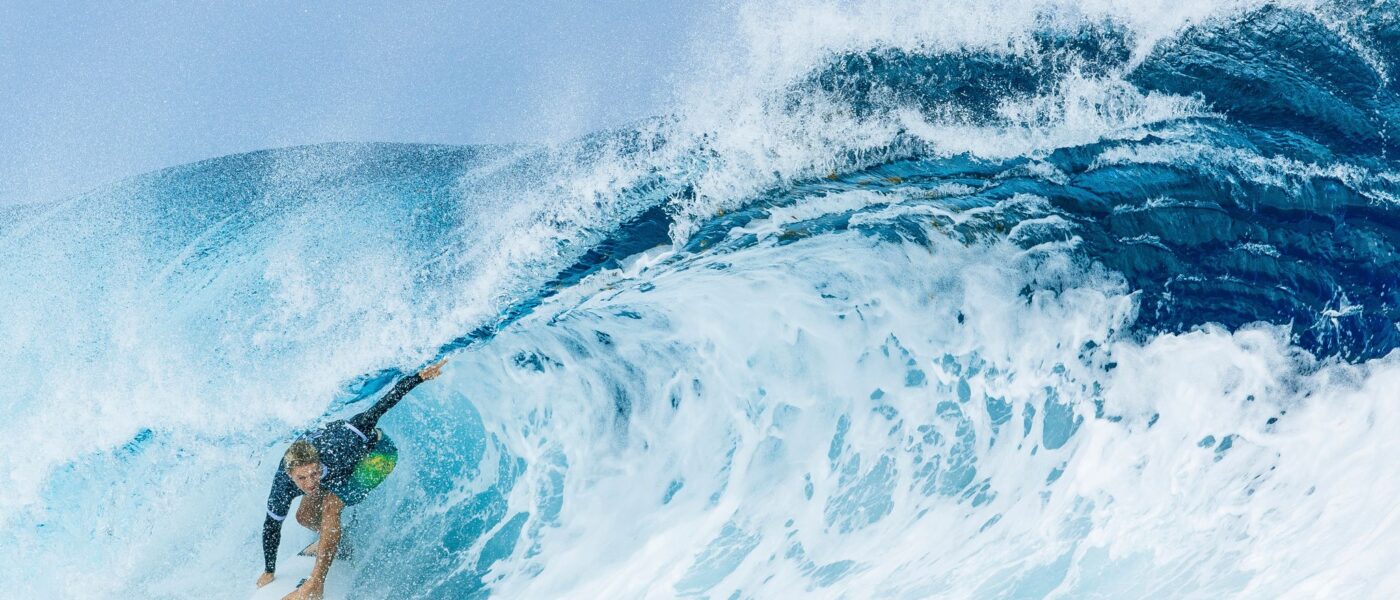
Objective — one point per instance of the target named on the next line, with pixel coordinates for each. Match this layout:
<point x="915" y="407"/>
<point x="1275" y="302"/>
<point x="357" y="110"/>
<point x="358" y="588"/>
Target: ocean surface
<point x="901" y="300"/>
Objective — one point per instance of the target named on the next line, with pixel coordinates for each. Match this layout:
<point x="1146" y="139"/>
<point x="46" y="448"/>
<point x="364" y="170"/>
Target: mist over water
<point x="901" y="300"/>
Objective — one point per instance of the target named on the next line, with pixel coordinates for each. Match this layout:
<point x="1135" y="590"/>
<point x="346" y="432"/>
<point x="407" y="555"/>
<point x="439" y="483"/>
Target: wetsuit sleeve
<point x="369" y="419"/>
<point x="279" y="501"/>
<point x="272" y="538"/>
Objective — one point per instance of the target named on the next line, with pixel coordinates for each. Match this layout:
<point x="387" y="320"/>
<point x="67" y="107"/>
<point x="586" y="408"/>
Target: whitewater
<point x="900" y="300"/>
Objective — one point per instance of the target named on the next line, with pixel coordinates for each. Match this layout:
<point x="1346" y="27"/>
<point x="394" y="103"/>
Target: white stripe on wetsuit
<point x="363" y="437"/>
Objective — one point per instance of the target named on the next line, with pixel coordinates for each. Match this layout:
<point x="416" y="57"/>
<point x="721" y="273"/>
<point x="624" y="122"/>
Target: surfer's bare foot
<point x="311" y="550"/>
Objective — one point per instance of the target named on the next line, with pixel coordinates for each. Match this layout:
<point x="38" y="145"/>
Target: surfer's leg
<point x="309" y="513"/>
<point x="346" y="550"/>
<point x="343" y="551"/>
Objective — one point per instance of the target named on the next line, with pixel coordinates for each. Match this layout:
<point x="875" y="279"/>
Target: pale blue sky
<point x="92" y="92"/>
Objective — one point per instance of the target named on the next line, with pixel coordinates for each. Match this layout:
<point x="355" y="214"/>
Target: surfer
<point x="335" y="466"/>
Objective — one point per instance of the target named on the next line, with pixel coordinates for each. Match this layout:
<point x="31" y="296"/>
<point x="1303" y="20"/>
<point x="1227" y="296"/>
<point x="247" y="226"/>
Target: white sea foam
<point x="766" y="352"/>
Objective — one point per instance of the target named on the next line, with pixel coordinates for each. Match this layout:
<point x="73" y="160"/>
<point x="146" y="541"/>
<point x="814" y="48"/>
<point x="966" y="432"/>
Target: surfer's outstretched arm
<point x="366" y="421"/>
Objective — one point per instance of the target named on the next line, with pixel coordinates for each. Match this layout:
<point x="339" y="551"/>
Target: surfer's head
<point x="303" y="465"/>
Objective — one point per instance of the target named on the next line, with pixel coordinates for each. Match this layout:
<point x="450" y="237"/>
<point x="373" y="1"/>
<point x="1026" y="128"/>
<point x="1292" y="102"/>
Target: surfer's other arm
<point x="279" y="500"/>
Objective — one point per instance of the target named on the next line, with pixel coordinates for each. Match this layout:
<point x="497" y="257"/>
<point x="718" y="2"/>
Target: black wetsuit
<point x="340" y="444"/>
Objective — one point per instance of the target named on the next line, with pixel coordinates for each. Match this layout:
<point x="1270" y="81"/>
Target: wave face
<point x="1017" y="301"/>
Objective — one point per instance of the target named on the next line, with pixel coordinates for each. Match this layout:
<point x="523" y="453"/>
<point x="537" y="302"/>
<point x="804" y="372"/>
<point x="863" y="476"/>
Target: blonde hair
<point x="300" y="453"/>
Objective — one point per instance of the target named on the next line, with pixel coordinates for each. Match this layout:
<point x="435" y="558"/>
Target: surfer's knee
<point x="309" y="513"/>
<point x="307" y="521"/>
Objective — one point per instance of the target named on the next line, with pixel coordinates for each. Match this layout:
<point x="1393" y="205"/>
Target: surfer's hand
<point x="432" y="370"/>
<point x="265" y="579"/>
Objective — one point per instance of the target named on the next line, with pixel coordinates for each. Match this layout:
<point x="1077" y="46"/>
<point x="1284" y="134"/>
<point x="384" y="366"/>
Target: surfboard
<point x="292" y="568"/>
